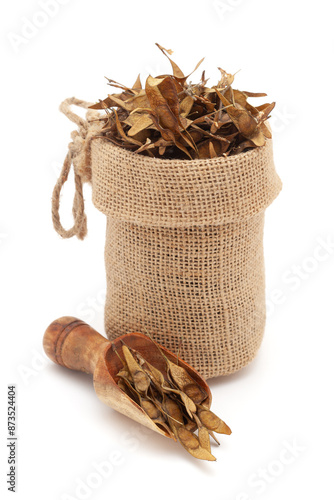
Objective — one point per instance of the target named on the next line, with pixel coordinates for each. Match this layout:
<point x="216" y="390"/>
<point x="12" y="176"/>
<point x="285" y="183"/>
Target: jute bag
<point x="184" y="246"/>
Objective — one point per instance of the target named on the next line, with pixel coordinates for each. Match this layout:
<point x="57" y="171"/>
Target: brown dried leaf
<point x="145" y="146"/>
<point x="139" y="122"/>
<point x="135" y="103"/>
<point x="117" y="101"/>
<point x="193" y="71"/>
<point x="257" y="137"/>
<point x="184" y="149"/>
<point x="211" y="148"/>
<point x="265" y="112"/>
<point x="242" y="119"/>
<point x="242" y="146"/>
<point x="168" y="90"/>
<point x="265" y="130"/>
<point x="186" y="106"/>
<point x="176" y="70"/>
<point x="122" y="133"/>
<point x="160" y="107"/>
<point x="137" y="85"/>
<point x="212" y="151"/>
<point x="254" y="94"/>
<point x="226" y="79"/>
<point x="110" y="101"/>
<point x="117" y="85"/>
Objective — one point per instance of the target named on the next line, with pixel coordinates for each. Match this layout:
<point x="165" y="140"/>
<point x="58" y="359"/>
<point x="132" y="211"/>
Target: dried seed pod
<point x="195" y="392"/>
<point x="124" y="373"/>
<point x="183" y="380"/>
<point x="164" y="425"/>
<point x="204" y="438"/>
<point x="140" y="378"/>
<point x="188" y="403"/>
<point x="153" y="372"/>
<point x="203" y="435"/>
<point x="155" y="393"/>
<point x="122" y="385"/>
<point x="214" y="437"/>
<point x="150" y="408"/>
<point x="147" y="404"/>
<point x="186" y="438"/>
<point x="191" y="425"/>
<point x="126" y="386"/>
<point x="212" y="422"/>
<point x="166" y="411"/>
<point x="192" y="444"/>
<point x="172" y="411"/>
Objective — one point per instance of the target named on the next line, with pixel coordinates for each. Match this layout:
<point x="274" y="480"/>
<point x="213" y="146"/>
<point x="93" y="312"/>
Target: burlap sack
<point x="184" y="250"/>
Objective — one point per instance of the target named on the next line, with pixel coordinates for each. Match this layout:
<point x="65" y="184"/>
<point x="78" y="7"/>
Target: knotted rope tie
<point x="78" y="155"/>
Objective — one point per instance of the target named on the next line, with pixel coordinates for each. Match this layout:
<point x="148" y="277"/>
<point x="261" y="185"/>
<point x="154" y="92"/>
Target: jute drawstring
<point x="78" y="155"/>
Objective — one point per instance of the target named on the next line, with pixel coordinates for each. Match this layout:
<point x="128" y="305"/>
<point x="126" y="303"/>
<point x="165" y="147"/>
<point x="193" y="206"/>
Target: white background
<point x="283" y="399"/>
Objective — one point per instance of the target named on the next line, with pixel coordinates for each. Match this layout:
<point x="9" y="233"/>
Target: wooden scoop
<point x="72" y="343"/>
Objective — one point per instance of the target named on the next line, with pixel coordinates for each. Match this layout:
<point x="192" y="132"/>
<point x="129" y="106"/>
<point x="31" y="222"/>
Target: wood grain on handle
<point x="72" y="343"/>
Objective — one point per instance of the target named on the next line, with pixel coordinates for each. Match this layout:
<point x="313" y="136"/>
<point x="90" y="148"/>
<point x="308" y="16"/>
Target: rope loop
<point x="78" y="155"/>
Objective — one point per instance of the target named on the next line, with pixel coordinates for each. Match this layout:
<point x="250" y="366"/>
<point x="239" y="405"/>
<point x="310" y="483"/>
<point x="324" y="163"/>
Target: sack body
<point x="184" y="251"/>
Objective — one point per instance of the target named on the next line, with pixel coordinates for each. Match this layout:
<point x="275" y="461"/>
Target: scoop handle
<point x="72" y="343"/>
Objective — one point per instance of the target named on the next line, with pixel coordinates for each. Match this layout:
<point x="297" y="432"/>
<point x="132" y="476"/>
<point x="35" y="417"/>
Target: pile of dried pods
<point x="171" y="118"/>
<point x="177" y="403"/>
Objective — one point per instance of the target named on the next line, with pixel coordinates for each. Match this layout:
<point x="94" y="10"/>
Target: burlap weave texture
<point x="184" y="250"/>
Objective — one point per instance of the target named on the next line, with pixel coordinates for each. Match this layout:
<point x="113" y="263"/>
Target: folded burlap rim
<point x="160" y="192"/>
